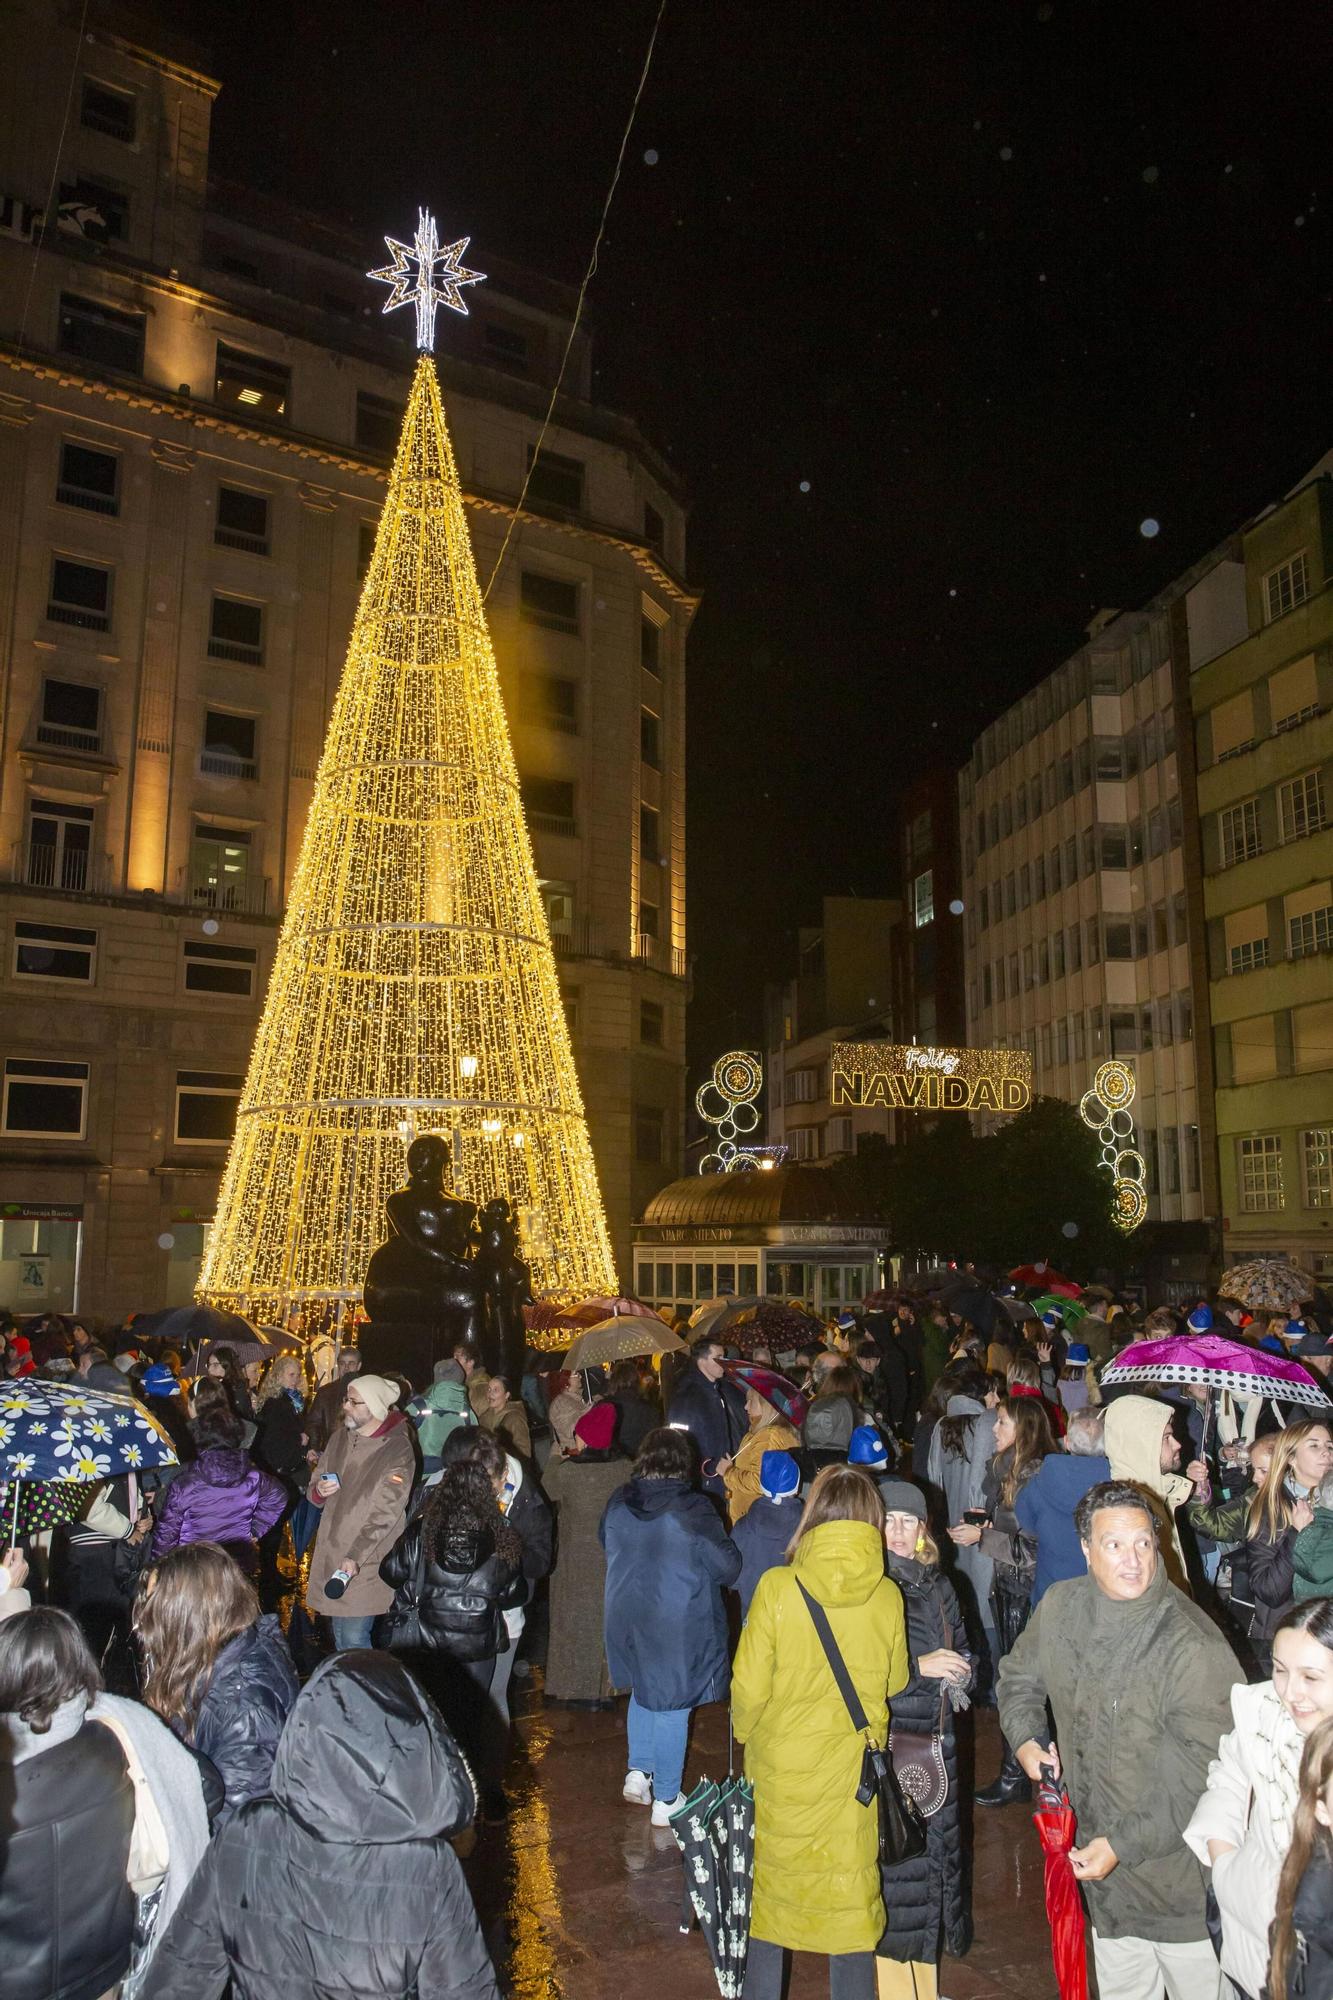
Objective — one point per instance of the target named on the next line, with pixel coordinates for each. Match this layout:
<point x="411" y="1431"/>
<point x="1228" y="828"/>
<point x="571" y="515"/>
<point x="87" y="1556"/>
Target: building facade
<point x="1259" y="632"/>
<point x="198" y="405"/>
<point x="929" y="1004"/>
<point x="1077" y="894"/>
<point x="841" y="991"/>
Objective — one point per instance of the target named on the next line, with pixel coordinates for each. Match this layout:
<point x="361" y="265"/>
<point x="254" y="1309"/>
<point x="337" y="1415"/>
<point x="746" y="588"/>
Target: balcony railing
<point x="228" y="649"/>
<point x="236" y="538"/>
<point x="69" y="871"/>
<point x="655" y="951"/>
<point x="242" y="895"/>
<point x="73" y="614"/>
<point x="219" y="765"/>
<point x="60" y="738"/>
<point x="583" y="939"/>
<point x="93" y="503"/>
<point x="553" y="823"/>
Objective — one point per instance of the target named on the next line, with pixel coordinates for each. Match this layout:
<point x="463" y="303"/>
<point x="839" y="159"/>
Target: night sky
<point x="933" y="305"/>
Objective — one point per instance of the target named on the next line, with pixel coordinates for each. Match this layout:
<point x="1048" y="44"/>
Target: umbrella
<point x="785" y="1397"/>
<point x="1056" y="1825"/>
<point x="717" y="1313"/>
<point x="1267" y="1285"/>
<point x="778" y="1327"/>
<point x="257" y="1343"/>
<point x="714" y="1831"/>
<point x="69" y="1433"/>
<point x="972" y="1302"/>
<point x="1070" y="1309"/>
<point x="1019" y="1309"/>
<point x="183" y="1325"/>
<point x="1042" y="1274"/>
<point x="621" y="1339"/>
<point x="1218" y="1364"/>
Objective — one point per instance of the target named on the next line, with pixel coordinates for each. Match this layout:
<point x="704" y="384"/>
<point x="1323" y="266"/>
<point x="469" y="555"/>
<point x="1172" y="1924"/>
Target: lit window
<point x="923" y="899"/>
<point x="206" y="1107"/>
<point x="90" y="209"/>
<point x="219" y="968"/>
<point x="1240" y="832"/>
<point x="54" y="951"/>
<point x="45" y="1100"/>
<point x="251" y="384"/>
<point x="1261" y="1174"/>
<point x="220" y="867"/>
<point x="1317" y="1166"/>
<point x="1300" y="806"/>
<point x="1285" y="587"/>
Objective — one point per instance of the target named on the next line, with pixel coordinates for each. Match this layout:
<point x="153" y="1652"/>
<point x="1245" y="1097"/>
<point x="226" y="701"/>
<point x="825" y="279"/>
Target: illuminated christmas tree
<point x="414" y="988"/>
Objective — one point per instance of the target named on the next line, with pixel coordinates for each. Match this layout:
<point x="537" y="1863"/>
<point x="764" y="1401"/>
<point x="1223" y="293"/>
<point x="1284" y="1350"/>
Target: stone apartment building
<point x="198" y="404"/>
<point x="842" y="990"/>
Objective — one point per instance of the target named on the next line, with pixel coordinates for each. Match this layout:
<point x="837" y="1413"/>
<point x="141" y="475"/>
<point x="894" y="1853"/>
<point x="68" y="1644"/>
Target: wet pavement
<point x="581" y="1897"/>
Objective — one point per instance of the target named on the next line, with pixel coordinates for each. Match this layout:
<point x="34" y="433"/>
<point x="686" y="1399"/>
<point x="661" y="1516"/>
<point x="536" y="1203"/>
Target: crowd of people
<point x="873" y="1536"/>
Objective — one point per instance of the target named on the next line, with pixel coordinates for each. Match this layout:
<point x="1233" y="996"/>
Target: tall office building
<point x="198" y="402"/>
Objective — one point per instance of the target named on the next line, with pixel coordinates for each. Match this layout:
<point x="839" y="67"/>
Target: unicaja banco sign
<point x="916" y="1079"/>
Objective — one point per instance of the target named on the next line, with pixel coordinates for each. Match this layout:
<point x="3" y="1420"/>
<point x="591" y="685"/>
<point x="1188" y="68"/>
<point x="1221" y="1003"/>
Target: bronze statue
<point x="507" y="1287"/>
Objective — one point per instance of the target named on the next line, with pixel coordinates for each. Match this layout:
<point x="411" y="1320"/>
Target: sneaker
<point x="637" y="1788"/>
<point x="663" y="1809"/>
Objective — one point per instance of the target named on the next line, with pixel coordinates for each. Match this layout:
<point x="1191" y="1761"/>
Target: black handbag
<point x="902" y="1830"/>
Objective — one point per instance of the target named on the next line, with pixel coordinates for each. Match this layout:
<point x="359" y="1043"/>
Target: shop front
<point x="41" y="1243"/>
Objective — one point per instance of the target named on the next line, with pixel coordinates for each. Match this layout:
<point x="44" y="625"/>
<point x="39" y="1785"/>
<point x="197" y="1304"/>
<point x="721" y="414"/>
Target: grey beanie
<point x="901" y="1496"/>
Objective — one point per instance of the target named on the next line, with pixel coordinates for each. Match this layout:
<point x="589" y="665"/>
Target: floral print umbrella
<point x="66" y="1432"/>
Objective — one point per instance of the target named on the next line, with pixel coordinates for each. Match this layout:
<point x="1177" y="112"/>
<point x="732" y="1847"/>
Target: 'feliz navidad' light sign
<point x="917" y="1079"/>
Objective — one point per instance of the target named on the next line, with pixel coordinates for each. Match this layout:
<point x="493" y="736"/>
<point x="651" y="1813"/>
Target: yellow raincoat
<point x="741" y="1478"/>
<point x="816" y="1851"/>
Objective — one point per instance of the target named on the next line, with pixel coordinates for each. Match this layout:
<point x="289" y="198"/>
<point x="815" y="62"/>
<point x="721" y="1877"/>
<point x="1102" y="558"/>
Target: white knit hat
<point x="378" y="1394"/>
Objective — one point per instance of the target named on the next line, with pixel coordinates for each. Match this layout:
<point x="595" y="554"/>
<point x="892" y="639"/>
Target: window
<point x="652" y="1023"/>
<point x="664" y="1281"/>
<point x="378" y="423"/>
<point x="1027" y="968"/>
<point x="59" y="845"/>
<point x="1231" y="726"/>
<point x="242" y="520"/>
<point x="236" y="631"/>
<point x="1310" y="932"/>
<point x="648" y="927"/>
<point x="206" y="1107"/>
<point x="649" y="1134"/>
<point x="1071" y="862"/>
<point x="554" y="481"/>
<point x="71" y="716"/>
<point x="1110" y="753"/>
<point x="1261" y="1174"/>
<point x="802" y="1086"/>
<point x="1058" y="954"/>
<point x="45" y="1100"/>
<point x="919" y="837"/>
<point x="1024" y="886"/>
<point x="838" y="1136"/>
<point x="684" y="1281"/>
<point x="1039" y="879"/>
<point x="986" y="986"/>
<point x="80" y="595"/>
<point x="334" y="302"/>
<point x="643" y="1281"/>
<point x="548" y="600"/>
<point x="1119" y="939"/>
<point x="1240" y="832"/>
<point x="1010" y="902"/>
<point x="1317" y="1166"/>
<point x="650" y="834"/>
<point x="923" y="899"/>
<point x="650" y="740"/>
<point x="94" y="211"/>
<point x="98" y="333"/>
<point x="1043" y="962"/>
<point x="109" y="111"/>
<point x="1170" y="1159"/>
<point x="1124" y="1032"/>
<point x="1285" y="587"/>
<point x="1293" y="694"/>
<point x="54" y="951"/>
<point x="251" y="384"/>
<point x="1184" y="1012"/>
<point x="229" y="745"/>
<point x="804" y="1142"/>
<point x="554" y="702"/>
<point x="1246" y="957"/>
<point x="506" y="347"/>
<point x="1300" y="806"/>
<point x="1312" y="1036"/>
<point x="220" y="867"/>
<point x="1114" y="847"/>
<point x="650" y="647"/>
<point x="549" y="804"/>
<point x="220" y="968"/>
<point x="88" y="478"/>
<point x="1076" y="949"/>
<point x="654" y="528"/>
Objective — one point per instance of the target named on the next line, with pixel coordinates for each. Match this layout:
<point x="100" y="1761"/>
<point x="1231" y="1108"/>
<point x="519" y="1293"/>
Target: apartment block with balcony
<point x="841" y="991"/>
<point x="1260" y="627"/>
<point x="1077" y="919"/>
<point x="198" y="402"/>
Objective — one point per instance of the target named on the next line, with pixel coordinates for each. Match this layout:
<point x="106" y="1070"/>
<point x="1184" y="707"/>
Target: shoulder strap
<point x="846" y="1688"/>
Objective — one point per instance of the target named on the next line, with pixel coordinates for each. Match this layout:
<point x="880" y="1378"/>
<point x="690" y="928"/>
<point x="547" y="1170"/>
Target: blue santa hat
<point x="779" y="1474"/>
<point x="1200" y="1320"/>
<point x="867" y="1447"/>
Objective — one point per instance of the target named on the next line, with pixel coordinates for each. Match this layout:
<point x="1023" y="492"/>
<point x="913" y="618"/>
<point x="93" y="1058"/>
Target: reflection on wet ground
<point x="580" y="1897"/>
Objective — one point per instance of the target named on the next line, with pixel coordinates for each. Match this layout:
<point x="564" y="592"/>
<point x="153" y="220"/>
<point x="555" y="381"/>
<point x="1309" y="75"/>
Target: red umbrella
<point x="1056" y="1826"/>
<point x="1043" y="1274"/>
<point x="785" y="1397"/>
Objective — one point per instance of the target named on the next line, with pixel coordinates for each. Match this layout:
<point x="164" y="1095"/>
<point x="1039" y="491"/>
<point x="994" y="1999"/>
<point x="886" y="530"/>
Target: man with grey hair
<point x="1139" y="1683"/>
<point x="1045" y="1505"/>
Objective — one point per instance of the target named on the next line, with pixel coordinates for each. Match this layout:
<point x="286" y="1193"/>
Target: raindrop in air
<point x="1069" y="1229"/>
<point x="1149" y="528"/>
<point x="166" y="1241"/>
<point x="1006" y="152"/>
<point x="956" y="907"/>
<point x="805" y="486"/>
<point x="1150" y="175"/>
<point x="210" y="927"/>
<point x="650" y="157"/>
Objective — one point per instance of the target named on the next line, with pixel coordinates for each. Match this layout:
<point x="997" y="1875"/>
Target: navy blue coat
<point x="762" y="1535"/>
<point x="668" y="1560"/>
<point x="714" y="1415"/>
<point x="249" y="1697"/>
<point x="1045" y="1508"/>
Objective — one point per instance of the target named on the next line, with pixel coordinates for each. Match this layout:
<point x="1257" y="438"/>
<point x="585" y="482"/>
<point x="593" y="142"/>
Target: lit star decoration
<point x="427" y="275"/>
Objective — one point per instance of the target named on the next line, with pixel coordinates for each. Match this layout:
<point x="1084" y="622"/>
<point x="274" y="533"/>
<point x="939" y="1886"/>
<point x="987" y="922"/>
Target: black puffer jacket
<point x="66" y="1911"/>
<point x="451" y="1602"/>
<point x="934" y="1892"/>
<point x="1272" y="1576"/>
<point x="343" y="1881"/>
<point x="1311" y="1973"/>
<point x="279" y="1444"/>
<point x="249" y="1697"/>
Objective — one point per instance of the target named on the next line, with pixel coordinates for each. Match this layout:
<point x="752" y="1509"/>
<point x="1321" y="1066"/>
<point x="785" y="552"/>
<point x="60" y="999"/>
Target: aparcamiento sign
<point x="917" y="1079"/>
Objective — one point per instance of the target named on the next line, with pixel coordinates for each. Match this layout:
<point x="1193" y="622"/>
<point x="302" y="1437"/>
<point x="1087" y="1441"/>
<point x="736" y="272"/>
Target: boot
<point x="1012" y="1787"/>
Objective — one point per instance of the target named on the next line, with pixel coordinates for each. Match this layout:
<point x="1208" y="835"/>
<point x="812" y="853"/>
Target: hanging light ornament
<point x="414" y="987"/>
<point x="1105" y="1109"/>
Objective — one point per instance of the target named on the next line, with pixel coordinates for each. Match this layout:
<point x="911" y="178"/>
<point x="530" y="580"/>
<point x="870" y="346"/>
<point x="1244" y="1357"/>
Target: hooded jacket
<point x="451" y="1599"/>
<point x="248" y="1699"/>
<point x="1135" y="1736"/>
<point x="437" y="1413"/>
<point x="341" y="1881"/>
<point x="363" y="1519"/>
<point x="963" y="1484"/>
<point x="1132" y="1432"/>
<point x="762" y="1535"/>
<point x="1044" y="1508"/>
<point x="668" y="1560"/>
<point x="1250" y="1802"/>
<point x="816" y="1850"/>
<point x="223" y="1497"/>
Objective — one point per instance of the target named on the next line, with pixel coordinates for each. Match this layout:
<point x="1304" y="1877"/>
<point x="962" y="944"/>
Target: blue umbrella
<point x="66" y="1432"/>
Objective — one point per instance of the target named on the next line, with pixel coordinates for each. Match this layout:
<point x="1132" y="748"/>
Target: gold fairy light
<point x="1105" y="1109"/>
<point x="414" y="987"/>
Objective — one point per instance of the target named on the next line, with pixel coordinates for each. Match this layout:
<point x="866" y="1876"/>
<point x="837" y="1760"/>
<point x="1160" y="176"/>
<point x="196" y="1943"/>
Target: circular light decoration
<point x="1106" y="1110"/>
<point x="726" y="1101"/>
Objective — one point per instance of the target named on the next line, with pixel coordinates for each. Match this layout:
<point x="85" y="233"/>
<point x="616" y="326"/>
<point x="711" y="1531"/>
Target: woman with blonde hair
<point x="216" y="1672"/>
<point x="1301" y="1964"/>
<point x="280" y="1436"/>
<point x="1302" y="1456"/>
<point x="816" y="1852"/>
<point x="929" y="1898"/>
<point x="770" y="1429"/>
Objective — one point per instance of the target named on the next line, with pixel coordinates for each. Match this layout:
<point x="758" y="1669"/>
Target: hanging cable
<point x="578" y="309"/>
<point x="39" y="236"/>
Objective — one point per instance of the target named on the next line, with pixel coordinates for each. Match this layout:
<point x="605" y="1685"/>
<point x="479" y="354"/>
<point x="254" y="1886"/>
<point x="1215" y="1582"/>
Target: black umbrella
<point x="971" y="1302"/>
<point x="714" y="1830"/>
<point x="182" y="1325"/>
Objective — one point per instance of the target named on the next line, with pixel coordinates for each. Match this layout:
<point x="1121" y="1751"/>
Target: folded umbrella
<point x="714" y="1830"/>
<point x="1217" y="1363"/>
<point x="1056" y="1827"/>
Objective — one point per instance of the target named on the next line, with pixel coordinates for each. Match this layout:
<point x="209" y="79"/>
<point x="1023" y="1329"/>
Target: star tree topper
<point x="427" y="274"/>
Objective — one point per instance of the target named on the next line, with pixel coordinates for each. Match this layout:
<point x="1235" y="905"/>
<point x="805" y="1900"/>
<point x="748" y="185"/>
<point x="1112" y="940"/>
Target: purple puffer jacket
<point x="223" y="1497"/>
